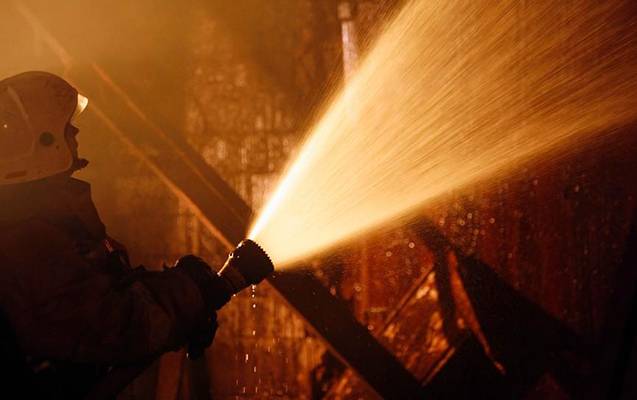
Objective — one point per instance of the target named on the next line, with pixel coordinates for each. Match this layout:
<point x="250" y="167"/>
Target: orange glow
<point x="452" y="94"/>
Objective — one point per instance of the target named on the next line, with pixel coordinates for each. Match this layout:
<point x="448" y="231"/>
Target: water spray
<point x="453" y="94"/>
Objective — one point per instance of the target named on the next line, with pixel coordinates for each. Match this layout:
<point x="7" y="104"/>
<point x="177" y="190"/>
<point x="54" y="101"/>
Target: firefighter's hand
<point x="214" y="291"/>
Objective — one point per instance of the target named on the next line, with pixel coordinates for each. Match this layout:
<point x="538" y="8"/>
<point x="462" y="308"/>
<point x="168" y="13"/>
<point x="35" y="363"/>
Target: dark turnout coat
<point x="68" y="295"/>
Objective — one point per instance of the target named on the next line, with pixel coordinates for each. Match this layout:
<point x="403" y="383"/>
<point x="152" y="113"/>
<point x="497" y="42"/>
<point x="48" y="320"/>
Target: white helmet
<point x="35" y="109"/>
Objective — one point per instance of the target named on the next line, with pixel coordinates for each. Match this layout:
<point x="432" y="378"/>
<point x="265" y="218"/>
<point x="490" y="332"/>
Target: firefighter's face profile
<point x="70" y="134"/>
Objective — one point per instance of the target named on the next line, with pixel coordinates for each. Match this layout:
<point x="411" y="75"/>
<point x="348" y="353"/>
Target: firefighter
<point x="71" y="306"/>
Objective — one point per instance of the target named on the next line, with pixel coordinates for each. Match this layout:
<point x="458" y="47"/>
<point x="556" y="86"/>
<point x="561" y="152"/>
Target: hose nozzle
<point x="247" y="265"/>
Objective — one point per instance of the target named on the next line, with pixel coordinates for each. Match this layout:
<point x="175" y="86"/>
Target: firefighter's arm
<point x="64" y="308"/>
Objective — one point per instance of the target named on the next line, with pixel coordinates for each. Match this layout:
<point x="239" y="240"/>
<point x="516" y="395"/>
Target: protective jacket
<point x="70" y="299"/>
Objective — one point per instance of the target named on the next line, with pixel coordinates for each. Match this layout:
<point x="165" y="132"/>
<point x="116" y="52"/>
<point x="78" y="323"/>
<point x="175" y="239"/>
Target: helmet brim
<point x="82" y="103"/>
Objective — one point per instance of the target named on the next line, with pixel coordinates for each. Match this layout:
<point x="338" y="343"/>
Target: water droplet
<point x="412" y="245"/>
<point x="492" y="220"/>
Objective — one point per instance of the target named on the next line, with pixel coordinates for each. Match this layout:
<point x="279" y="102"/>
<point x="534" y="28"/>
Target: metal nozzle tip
<point x="252" y="249"/>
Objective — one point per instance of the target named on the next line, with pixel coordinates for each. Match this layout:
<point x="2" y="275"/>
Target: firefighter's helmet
<point x="35" y="109"/>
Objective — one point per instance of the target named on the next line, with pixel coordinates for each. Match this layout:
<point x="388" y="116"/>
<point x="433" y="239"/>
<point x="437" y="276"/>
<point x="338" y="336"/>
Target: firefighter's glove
<point x="214" y="291"/>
